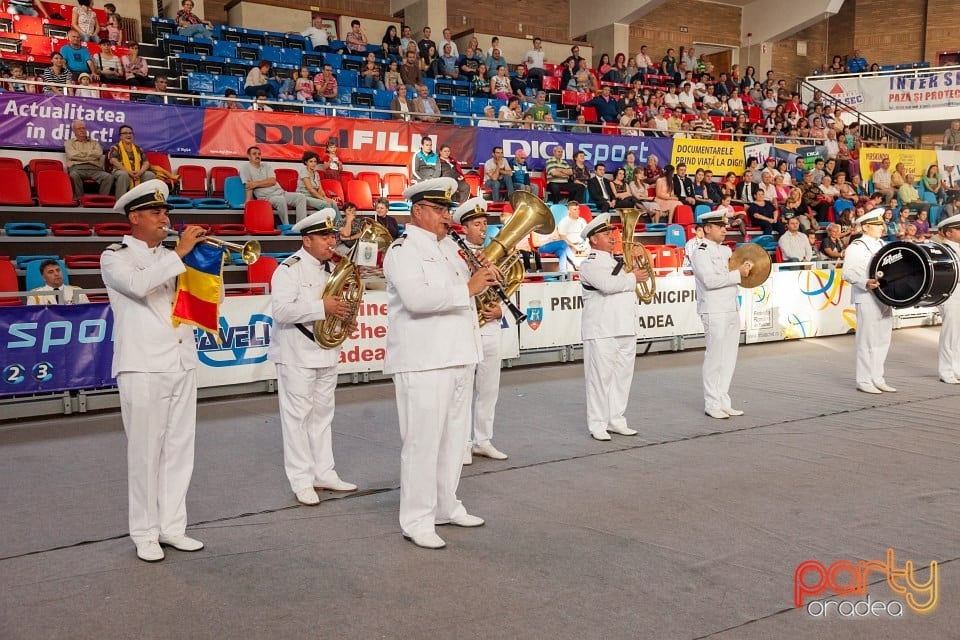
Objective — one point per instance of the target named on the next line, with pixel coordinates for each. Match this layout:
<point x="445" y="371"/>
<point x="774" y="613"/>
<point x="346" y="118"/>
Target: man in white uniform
<point x="306" y="372"/>
<point x="609" y="331"/>
<point x="433" y="347"/>
<point x="155" y="365"/>
<point x="60" y="293"/>
<point x="472" y="216"/>
<point x="717" y="305"/>
<point x="949" y="360"/>
<point x="874" y="319"/>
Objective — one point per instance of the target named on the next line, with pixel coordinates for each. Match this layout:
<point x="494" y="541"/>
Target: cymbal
<point x="756" y="255"/>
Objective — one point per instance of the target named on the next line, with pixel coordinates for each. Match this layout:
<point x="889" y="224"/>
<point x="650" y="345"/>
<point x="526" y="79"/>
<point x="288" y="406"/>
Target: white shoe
<point x="181" y="543"/>
<point x="949" y="380"/>
<point x="465" y="520"/>
<point x="149" y="551"/>
<point x="623" y="431"/>
<point x="337" y="485"/>
<point x="602" y="436"/>
<point x="719" y="414"/>
<point x="308" y="497"/>
<point x="489" y="451"/>
<point x="868" y="388"/>
<point x="730" y="411"/>
<point x="468" y="455"/>
<point x="883" y="386"/>
<point x="426" y="540"/>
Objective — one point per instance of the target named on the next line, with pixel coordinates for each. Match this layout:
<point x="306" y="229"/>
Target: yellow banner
<point x="915" y="161"/>
<point x="713" y="155"/>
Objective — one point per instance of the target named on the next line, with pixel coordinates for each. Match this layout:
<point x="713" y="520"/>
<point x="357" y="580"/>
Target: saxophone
<point x="345" y="283"/>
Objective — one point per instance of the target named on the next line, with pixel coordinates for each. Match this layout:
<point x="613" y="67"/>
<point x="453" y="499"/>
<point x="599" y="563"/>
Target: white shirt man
<point x="261" y="182"/>
<point x="609" y="331"/>
<point x="433" y="347"/>
<point x="472" y="216"/>
<point x="306" y="372"/>
<point x="155" y="365"/>
<point x="949" y="352"/>
<point x="570" y="230"/>
<point x="60" y="293"/>
<point x="874" y="319"/>
<point x="317" y="33"/>
<point x="447" y="39"/>
<point x="717" y="306"/>
<point x="489" y="119"/>
<point x="687" y="100"/>
<point x="794" y="246"/>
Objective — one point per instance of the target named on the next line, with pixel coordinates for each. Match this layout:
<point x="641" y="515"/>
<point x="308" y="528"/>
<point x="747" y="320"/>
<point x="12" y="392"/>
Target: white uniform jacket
<point x="609" y="300"/>
<point x="716" y="283"/>
<point x="296" y="290"/>
<point x="141" y="284"/>
<point x="856" y="264"/>
<point x="954" y="299"/>
<point x="432" y="318"/>
<point x="491" y="327"/>
<point x="68" y="294"/>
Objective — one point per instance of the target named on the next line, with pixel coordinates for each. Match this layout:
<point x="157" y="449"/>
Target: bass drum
<point x="914" y="274"/>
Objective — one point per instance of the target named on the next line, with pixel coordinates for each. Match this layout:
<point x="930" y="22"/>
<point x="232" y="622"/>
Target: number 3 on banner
<point x="13" y="373"/>
<point x="42" y="372"/>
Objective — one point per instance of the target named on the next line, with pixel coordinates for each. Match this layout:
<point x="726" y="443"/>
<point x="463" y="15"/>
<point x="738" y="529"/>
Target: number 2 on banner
<point x="13" y="373"/>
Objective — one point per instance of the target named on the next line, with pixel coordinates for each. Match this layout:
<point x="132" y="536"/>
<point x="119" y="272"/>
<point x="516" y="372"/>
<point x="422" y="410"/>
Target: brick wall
<point x="705" y="21"/>
<point x="548" y="19"/>
<point x="943" y="25"/>
<point x="890" y="31"/>
<point x="788" y="65"/>
<point x="841" y="28"/>
<point x="215" y="12"/>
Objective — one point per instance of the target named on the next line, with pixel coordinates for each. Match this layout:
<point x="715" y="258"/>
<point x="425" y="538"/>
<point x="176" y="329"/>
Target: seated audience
<point x="53" y="282"/>
<point x="189" y="25"/>
<point x="794" y="246"/>
<point x="260" y="182"/>
<point x="85" y="161"/>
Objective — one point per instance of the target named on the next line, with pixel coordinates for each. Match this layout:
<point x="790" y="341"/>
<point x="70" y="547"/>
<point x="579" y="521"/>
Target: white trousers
<point x="434" y="412"/>
<point x="159" y="413"/>
<point x="721" y="332"/>
<point x="486" y="389"/>
<point x="608" y="374"/>
<point x="949" y="359"/>
<point x="874" y="329"/>
<point x="306" y="415"/>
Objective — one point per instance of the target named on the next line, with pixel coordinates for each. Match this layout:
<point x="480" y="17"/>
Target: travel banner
<point x="924" y="90"/>
<point x="43" y="122"/>
<point x="915" y="161"/>
<point x="285" y="136"/>
<point x="710" y="155"/>
<point x="538" y="145"/>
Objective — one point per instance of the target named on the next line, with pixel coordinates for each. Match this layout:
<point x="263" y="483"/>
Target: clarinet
<point x="518" y="316"/>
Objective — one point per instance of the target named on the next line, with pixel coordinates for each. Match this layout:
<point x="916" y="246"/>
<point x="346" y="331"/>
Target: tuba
<point x="529" y="214"/>
<point x="345" y="283"/>
<point x="647" y="288"/>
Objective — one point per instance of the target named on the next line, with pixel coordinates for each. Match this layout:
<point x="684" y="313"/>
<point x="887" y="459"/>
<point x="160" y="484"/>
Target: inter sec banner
<point x="55" y="348"/>
<point x="925" y="90"/>
<point x="43" y="122"/>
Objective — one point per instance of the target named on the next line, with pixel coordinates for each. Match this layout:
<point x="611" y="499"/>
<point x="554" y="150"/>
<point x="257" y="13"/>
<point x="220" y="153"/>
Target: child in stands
<point x="304" y="86"/>
<point x="114" y="34"/>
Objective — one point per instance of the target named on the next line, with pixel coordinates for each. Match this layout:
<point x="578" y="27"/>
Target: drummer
<point x="949" y="359"/>
<point x="874" y="319"/>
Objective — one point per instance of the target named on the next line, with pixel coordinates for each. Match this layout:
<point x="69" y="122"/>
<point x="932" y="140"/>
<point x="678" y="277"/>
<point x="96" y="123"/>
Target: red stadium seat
<point x="82" y="261"/>
<point x="551" y="83"/>
<point x="610" y="129"/>
<point x="287" y="179"/>
<point x="193" y="181"/>
<point x="258" y="218"/>
<point x="219" y="175"/>
<point x="97" y="200"/>
<point x="9" y="282"/>
<point x="261" y="271"/>
<point x="15" y="188"/>
<point x="394" y="184"/>
<point x="157" y="159"/>
<point x="230" y="228"/>
<point x="475" y="181"/>
<point x="346" y="177"/>
<point x="683" y="214"/>
<point x="358" y="192"/>
<point x="333" y="189"/>
<point x="590" y="114"/>
<point x="35" y="166"/>
<point x="372" y="178"/>
<point x="54" y="189"/>
<point x="10" y="163"/>
<point x="111" y="229"/>
<point x="71" y="229"/>
<point x="569" y="98"/>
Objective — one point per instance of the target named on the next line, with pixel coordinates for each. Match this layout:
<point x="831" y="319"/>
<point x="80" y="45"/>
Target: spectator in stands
<point x="922" y="223"/>
<point x="261" y="183"/>
<point x="400" y="107"/>
<point x="882" y="180"/>
<point x="17" y="75"/>
<point x="129" y="162"/>
<point x="85" y="90"/>
<point x="509" y="114"/>
<point x="581" y="125"/>
<point x="623" y="198"/>
<point x="316" y="33"/>
<point x="606" y="106"/>
<point x="76" y="56"/>
<point x="109" y="66"/>
<point x="764" y="214"/>
<point x="85" y="161"/>
<point x="570" y="229"/>
<point x="600" y="189"/>
<point x="585" y="80"/>
<point x="160" y="97"/>
<point x="85" y="23"/>
<point x="665" y="197"/>
<point x="560" y="176"/>
<point x="539" y="108"/>
<point x="448" y="39"/>
<point x="933" y="182"/>
<point x="350" y="227"/>
<point x="425" y="163"/>
<point x="468" y="64"/>
<point x="304" y="86"/>
<point x="581" y="172"/>
<point x="794" y="246"/>
<point x="392" y="80"/>
<point x="500" y="84"/>
<point x="668" y="66"/>
<point x="332" y="165"/>
<point x="906" y="136"/>
<point x="191" y="26"/>
<point x="382" y="208"/>
<point x="857" y="63"/>
<point x="683" y="186"/>
<point x="53" y="281"/>
<point x="951" y="137"/>
<point x="256" y="81"/>
<point x="230" y="100"/>
<point x="494" y="61"/>
<point x="135" y="68"/>
<point x="498" y="174"/>
<point x="324" y="85"/>
<point x="410" y="72"/>
<point x="521" y="173"/>
<point x="424" y="44"/>
<point x="909" y="196"/>
<point x="406" y="37"/>
<point x="644" y="63"/>
<point x="450" y="168"/>
<point x="489" y="119"/>
<point x="447" y="66"/>
<point x="309" y="183"/>
<point x="686" y="100"/>
<point x="391" y="43"/>
<point x="899" y="176"/>
<point x="26" y="8"/>
<point x="430" y="63"/>
<point x="371" y="74"/>
<point x="357" y="39"/>
<point x="534" y="59"/>
<point x="833" y="246"/>
<point x="425" y="108"/>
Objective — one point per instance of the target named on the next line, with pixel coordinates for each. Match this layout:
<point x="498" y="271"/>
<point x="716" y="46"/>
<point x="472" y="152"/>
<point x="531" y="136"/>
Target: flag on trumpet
<point x="199" y="289"/>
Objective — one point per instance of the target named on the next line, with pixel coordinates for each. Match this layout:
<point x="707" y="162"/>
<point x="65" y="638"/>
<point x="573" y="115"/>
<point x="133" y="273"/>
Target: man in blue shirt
<point x="607" y="107"/>
<point x="77" y="57"/>
<point x="857" y="63"/>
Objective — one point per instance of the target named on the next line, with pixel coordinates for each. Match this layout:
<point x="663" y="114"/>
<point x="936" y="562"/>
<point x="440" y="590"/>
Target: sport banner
<point x="927" y="89"/>
<point x="915" y="161"/>
<point x="710" y="155"/>
<point x="43" y="122"/>
<point x="285" y="136"/>
<point x="55" y="348"/>
<point x="539" y="145"/>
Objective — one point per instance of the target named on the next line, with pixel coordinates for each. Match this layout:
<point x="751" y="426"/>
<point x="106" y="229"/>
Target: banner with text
<point x="673" y="310"/>
<point x="915" y="161"/>
<point x="241" y="355"/>
<point x="710" y="155"/>
<point x="925" y="90"/>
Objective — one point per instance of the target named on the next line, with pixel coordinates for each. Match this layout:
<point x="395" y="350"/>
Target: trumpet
<point x="249" y="251"/>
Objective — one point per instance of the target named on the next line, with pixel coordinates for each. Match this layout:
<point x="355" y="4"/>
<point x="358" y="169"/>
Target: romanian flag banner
<point x="199" y="287"/>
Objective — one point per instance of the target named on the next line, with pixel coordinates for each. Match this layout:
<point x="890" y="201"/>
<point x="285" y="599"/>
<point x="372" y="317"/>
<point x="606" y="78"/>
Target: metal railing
<point x="869" y="128"/>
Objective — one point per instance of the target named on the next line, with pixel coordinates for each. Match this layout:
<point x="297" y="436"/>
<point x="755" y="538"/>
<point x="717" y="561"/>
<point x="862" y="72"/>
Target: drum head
<point x="913" y="274"/>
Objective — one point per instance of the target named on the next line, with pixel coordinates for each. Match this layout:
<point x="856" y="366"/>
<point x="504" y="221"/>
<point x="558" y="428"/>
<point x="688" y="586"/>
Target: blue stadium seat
<point x="32" y="277"/>
<point x="383" y="99"/>
<point x="287" y="230"/>
<point x="431" y="85"/>
<point x="335" y="60"/>
<point x="461" y="105"/>
<point x="249" y="52"/>
<point x="271" y="53"/>
<point x="25" y="229"/>
<point x="180" y="203"/>
<point x="294" y="41"/>
<point x="676" y="235"/>
<point x="225" y="49"/>
<point x="23" y="261"/>
<point x="349" y="79"/>
<point x="657" y="227"/>
<point x="223" y="82"/>
<point x="200" y="82"/>
<point x="337" y="45"/>
<point x="210" y="203"/>
<point x="935" y="212"/>
<point x="234" y="192"/>
<point x="291" y="56"/>
<point x="352" y="62"/>
<point x="700" y="210"/>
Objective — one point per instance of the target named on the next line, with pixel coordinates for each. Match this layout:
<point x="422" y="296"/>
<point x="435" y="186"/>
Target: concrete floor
<point x="692" y="529"/>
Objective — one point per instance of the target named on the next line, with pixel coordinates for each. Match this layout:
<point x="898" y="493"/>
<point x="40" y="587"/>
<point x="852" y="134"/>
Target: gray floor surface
<point x="692" y="529"/>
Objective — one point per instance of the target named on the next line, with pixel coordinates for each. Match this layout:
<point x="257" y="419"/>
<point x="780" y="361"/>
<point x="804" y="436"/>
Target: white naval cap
<point x="598" y="225"/>
<point x="953" y="222"/>
<point x="319" y="222"/>
<point x="470" y="210"/>
<point x="713" y="217"/>
<point x="435" y="190"/>
<point x="151" y="194"/>
<point x="874" y="216"/>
